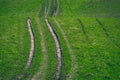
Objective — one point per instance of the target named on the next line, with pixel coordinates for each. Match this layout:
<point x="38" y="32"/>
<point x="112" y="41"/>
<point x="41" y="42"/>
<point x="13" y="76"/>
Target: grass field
<point x="88" y="32"/>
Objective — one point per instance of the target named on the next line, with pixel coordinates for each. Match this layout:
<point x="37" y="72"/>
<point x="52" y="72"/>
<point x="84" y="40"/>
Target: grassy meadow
<point x="88" y="32"/>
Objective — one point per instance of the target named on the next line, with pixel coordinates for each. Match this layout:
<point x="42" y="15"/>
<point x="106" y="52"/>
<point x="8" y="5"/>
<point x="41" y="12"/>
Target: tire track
<point x="55" y="37"/>
<point x="32" y="44"/>
<point x="31" y="52"/>
<point x="83" y="30"/>
<point x="74" y="65"/>
<point x="42" y="72"/>
<point x="55" y="8"/>
<point x="47" y="8"/>
<point x="58" y="49"/>
<point x="105" y="31"/>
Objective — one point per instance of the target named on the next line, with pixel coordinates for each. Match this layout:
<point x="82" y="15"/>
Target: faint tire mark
<point x="105" y="31"/>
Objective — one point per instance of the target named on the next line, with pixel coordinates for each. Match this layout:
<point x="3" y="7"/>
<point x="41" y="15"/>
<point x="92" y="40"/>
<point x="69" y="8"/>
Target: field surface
<point x="59" y="39"/>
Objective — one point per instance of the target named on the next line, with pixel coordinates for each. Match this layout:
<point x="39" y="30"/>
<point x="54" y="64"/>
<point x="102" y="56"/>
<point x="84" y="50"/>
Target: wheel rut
<point x="84" y="32"/>
<point x="55" y="8"/>
<point x="58" y="49"/>
<point x="55" y="37"/>
<point x="74" y="64"/>
<point x="31" y="52"/>
<point x="32" y="44"/>
<point x="46" y="9"/>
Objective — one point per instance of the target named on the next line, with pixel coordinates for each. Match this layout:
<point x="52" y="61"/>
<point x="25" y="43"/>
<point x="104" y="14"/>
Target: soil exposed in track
<point x="54" y="9"/>
<point x="31" y="52"/>
<point x="74" y="64"/>
<point x="58" y="49"/>
<point x="32" y="44"/>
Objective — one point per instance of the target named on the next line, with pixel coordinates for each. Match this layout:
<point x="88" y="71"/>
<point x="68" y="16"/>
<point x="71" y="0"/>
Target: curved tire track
<point x="32" y="44"/>
<point x="57" y="43"/>
<point x="74" y="65"/>
<point x="58" y="49"/>
<point x="55" y="8"/>
<point x="31" y="52"/>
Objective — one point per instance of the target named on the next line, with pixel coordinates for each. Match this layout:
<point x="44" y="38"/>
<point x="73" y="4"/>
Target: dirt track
<point x="31" y="52"/>
<point x="58" y="49"/>
<point x="32" y="45"/>
<point x="74" y="64"/>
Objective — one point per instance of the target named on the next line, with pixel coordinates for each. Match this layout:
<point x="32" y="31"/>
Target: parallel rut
<point x="55" y="37"/>
<point x="32" y="44"/>
<point x="105" y="32"/>
<point x="31" y="52"/>
<point x="58" y="49"/>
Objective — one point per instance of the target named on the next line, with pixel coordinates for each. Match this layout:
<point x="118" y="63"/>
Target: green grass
<point x="96" y="43"/>
<point x="15" y="38"/>
<point x="17" y="7"/>
<point x="98" y="57"/>
<point x="14" y="48"/>
<point x="90" y="8"/>
<point x="65" y="52"/>
<point x="52" y="58"/>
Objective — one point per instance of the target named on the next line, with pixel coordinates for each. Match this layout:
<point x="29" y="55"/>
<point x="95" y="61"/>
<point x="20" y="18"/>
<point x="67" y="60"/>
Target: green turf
<point x="14" y="46"/>
<point x="96" y="52"/>
<point x="90" y="26"/>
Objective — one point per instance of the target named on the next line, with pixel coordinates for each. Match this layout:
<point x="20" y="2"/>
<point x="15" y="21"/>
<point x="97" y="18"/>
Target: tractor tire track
<point x="32" y="44"/>
<point x="58" y="49"/>
<point x="83" y="30"/>
<point x="47" y="8"/>
<point x="58" y="7"/>
<point x="105" y="31"/>
<point x="42" y="72"/>
<point x="74" y="63"/>
<point x="31" y="52"/>
<point x="55" y="37"/>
